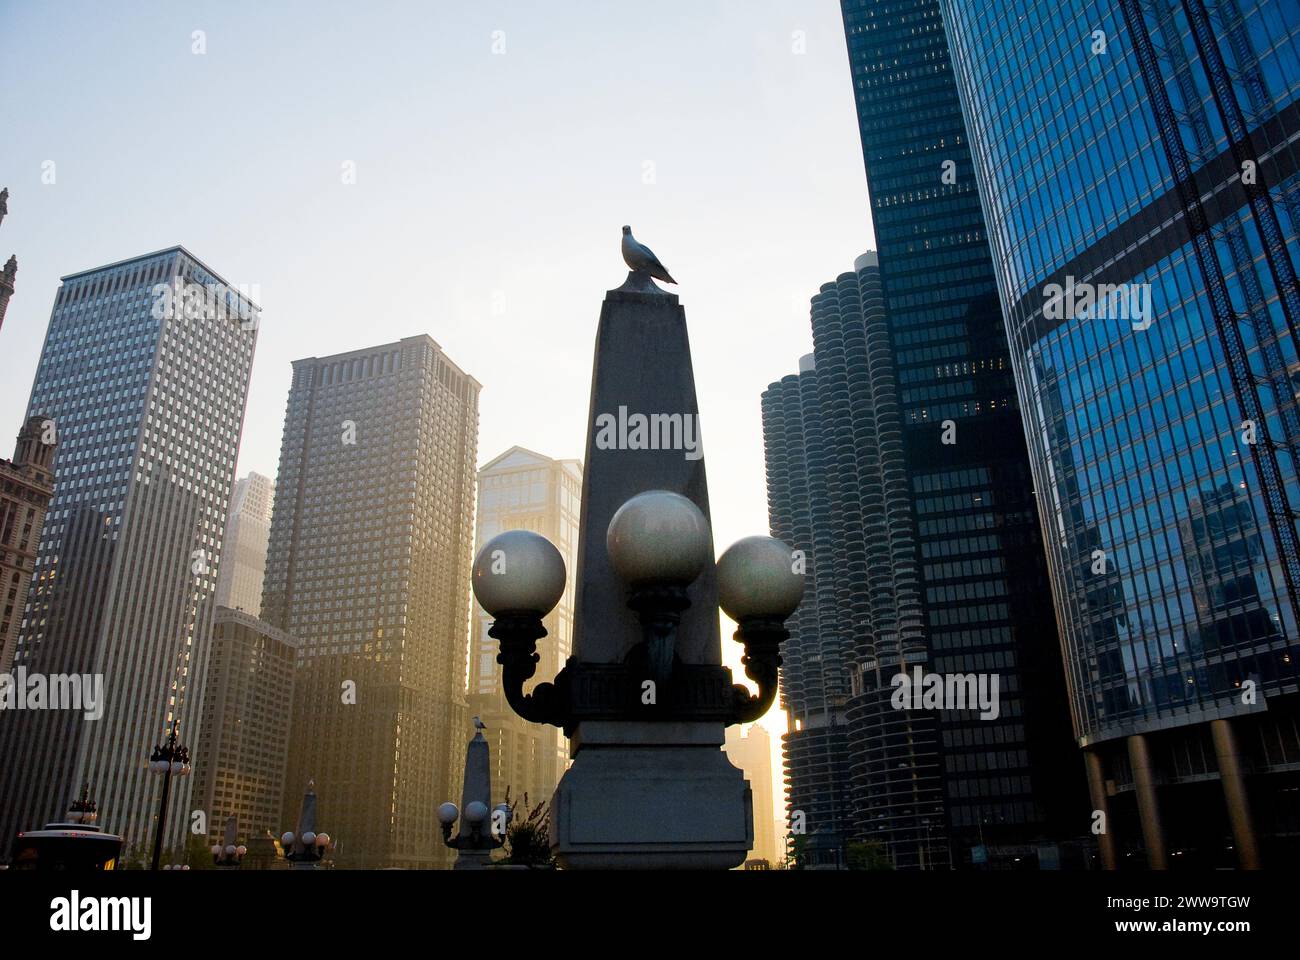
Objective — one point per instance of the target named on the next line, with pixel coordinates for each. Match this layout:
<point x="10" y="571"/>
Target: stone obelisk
<point x="645" y="792"/>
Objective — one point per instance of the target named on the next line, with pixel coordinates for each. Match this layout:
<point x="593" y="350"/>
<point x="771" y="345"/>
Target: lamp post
<point x="481" y="831"/>
<point x="168" y="758"/>
<point x="644" y="697"/>
<point x="84" y="811"/>
<point x="229" y="853"/>
<point x="306" y="848"/>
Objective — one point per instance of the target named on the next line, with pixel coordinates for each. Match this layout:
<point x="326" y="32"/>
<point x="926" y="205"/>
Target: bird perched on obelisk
<point x="642" y="259"/>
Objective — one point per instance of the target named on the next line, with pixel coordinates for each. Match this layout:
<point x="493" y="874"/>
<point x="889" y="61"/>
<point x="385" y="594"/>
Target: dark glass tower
<point x="962" y="585"/>
<point x="1151" y="145"/>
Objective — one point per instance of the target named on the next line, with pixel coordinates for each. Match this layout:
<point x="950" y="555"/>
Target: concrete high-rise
<point x="145" y="391"/>
<point x="243" y="557"/>
<point x="1142" y="190"/>
<point x="239" y="763"/>
<point x="815" y="672"/>
<point x="367" y="568"/>
<point x="523" y="490"/>
<point x="26" y="485"/>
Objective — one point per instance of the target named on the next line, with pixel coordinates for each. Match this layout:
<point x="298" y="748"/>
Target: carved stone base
<point x="631" y="801"/>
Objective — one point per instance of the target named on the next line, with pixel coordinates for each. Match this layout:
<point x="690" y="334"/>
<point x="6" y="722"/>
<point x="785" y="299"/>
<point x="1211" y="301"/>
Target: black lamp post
<point x="167" y="758"/>
<point x="229" y="852"/>
<point x="83" y="812"/>
<point x="306" y="848"/>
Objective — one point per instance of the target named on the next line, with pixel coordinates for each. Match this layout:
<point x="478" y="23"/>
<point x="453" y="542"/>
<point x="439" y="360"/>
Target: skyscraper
<point x="814" y="675"/>
<point x="368" y="568"/>
<point x="243" y="562"/>
<point x="243" y="745"/>
<point x="26" y="485"/>
<point x="145" y="391"/>
<point x="523" y="490"/>
<point x="957" y="576"/>
<point x="1145" y="221"/>
<point x="751" y="751"/>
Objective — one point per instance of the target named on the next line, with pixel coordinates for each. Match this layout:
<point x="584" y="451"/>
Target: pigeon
<point x="642" y="259"/>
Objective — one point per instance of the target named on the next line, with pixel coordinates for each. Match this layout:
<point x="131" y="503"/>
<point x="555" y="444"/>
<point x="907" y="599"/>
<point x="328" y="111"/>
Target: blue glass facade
<point x="1144" y="154"/>
<point x="952" y="580"/>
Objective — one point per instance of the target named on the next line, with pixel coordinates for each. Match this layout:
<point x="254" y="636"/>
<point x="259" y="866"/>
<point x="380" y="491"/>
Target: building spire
<point x="11" y="265"/>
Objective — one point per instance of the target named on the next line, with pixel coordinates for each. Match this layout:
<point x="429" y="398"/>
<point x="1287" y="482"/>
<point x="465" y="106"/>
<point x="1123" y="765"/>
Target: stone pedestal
<point x="651" y="796"/>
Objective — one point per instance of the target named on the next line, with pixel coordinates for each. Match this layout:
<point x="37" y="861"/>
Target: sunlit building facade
<point x="368" y="568"/>
<point x="243" y="566"/>
<point x="523" y="490"/>
<point x="239" y="765"/>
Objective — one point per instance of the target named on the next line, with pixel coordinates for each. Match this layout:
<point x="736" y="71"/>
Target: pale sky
<point x="490" y="188"/>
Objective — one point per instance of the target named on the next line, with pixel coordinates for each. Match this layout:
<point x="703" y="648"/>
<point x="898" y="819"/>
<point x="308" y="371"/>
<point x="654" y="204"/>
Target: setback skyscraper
<point x="143" y="375"/>
<point x="523" y="490"/>
<point x="367" y="568"/>
<point x="243" y="561"/>
<point x="1142" y="185"/>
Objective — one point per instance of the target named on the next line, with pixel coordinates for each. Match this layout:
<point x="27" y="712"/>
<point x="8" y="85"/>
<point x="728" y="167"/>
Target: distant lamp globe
<point x="286" y="839"/>
<point x="241" y="850"/>
<point x="447" y="813"/>
<point x="758" y="580"/>
<point x="216" y="849"/>
<point x="309" y="839"/>
<point x="476" y="812"/>
<point x="519" y="572"/>
<point x="658" y="537"/>
<point x="322" y="840"/>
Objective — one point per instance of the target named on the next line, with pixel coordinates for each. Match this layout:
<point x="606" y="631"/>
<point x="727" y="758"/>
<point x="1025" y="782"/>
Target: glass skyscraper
<point x="958" y="585"/>
<point x="146" y="394"/>
<point x="367" y="568"/>
<point x="1138" y="165"/>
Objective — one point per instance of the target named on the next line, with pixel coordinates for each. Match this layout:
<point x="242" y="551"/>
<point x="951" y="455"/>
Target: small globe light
<point x="167" y="866"/>
<point x="757" y="578"/>
<point x="241" y="850"/>
<point x="230" y="849"/>
<point x="448" y="812"/>
<point x="476" y="811"/>
<point x="286" y="838"/>
<point x="658" y="537"/>
<point x="186" y="867"/>
<point x="322" y="839"/>
<point x="216" y="849"/>
<point x="309" y="839"/>
<point x="519" y="572"/>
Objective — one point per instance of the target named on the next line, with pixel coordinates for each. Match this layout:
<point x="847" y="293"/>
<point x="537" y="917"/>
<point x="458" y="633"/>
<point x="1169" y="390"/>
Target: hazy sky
<point x="490" y="188"/>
